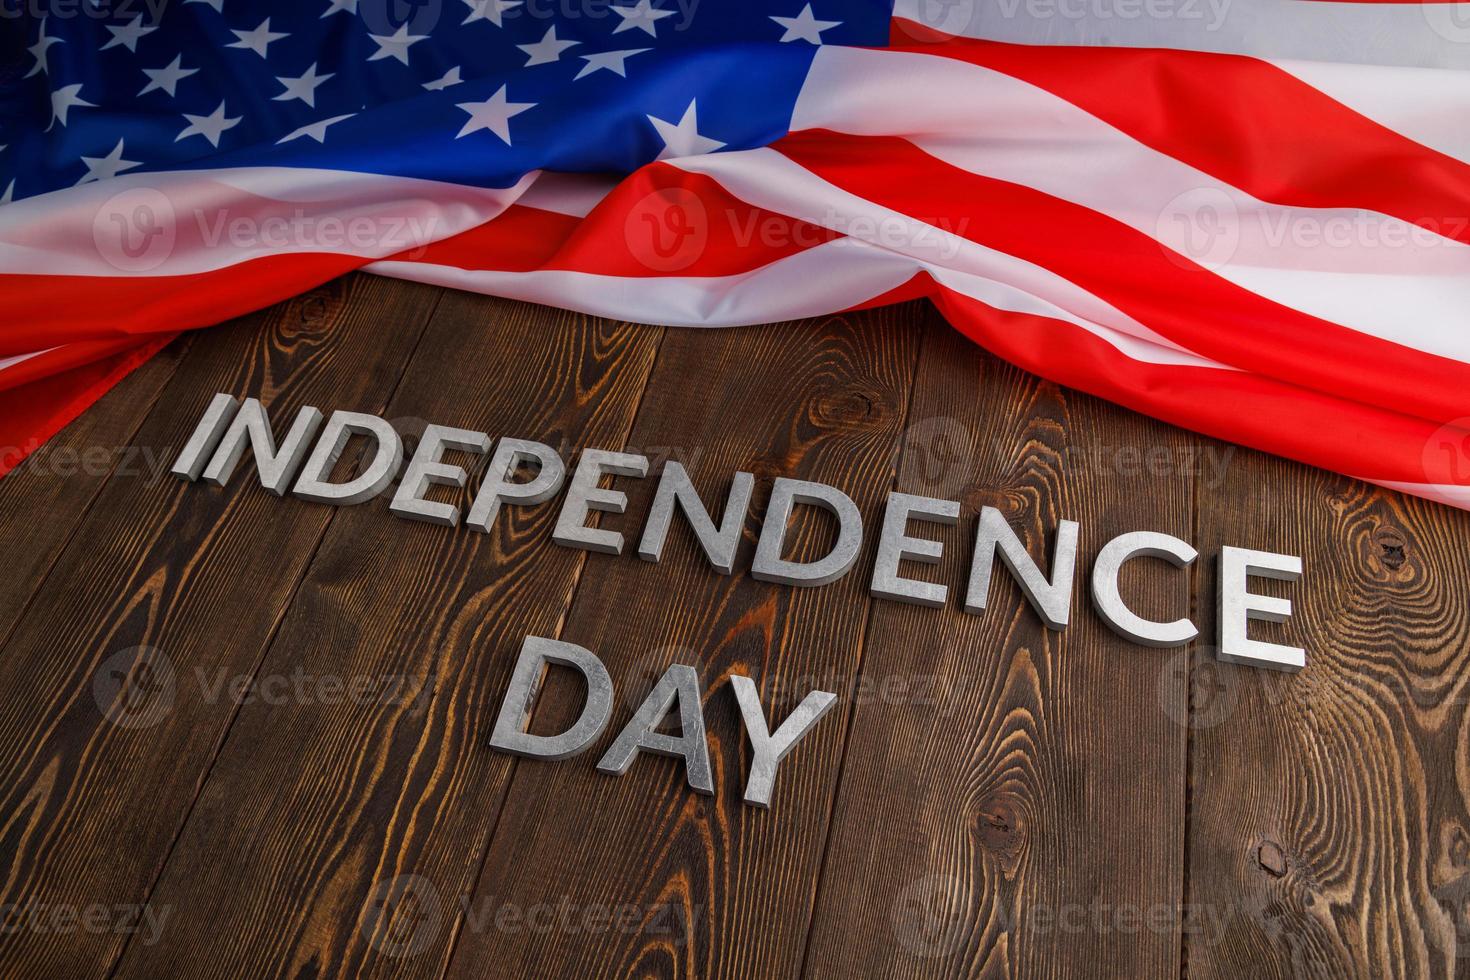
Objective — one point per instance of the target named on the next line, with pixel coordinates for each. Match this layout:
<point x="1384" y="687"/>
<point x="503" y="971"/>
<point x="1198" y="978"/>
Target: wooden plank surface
<point x="1329" y="831"/>
<point x="318" y="804"/>
<point x="102" y="744"/>
<point x="44" y="499"/>
<point x="1009" y="789"/>
<point x="988" y="798"/>
<point x="716" y="888"/>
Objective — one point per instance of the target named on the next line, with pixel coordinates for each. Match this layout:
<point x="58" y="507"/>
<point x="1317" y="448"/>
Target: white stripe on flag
<point x="1427" y="35"/>
<point x="570" y="194"/>
<point x="8" y="362"/>
<point x="1428" y="105"/>
<point x="213" y="219"/>
<point x="836" y="275"/>
<point x="1376" y="274"/>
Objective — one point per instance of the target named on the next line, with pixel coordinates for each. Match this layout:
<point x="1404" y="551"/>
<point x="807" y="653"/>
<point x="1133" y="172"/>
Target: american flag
<point x="1247" y="217"/>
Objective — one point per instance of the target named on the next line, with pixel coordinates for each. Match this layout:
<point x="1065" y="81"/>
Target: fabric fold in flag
<point x="1259" y="230"/>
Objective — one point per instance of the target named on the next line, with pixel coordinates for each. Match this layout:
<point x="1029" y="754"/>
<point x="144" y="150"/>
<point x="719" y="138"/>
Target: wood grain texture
<point x="102" y="745"/>
<point x="988" y="798"/>
<point x="1330" y="818"/>
<point x="44" y="499"/>
<point x="335" y="835"/>
<point x="698" y="886"/>
<point x="1007" y="791"/>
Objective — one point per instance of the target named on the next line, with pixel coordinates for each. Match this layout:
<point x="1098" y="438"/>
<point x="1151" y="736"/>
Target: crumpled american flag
<point x="1247" y="217"/>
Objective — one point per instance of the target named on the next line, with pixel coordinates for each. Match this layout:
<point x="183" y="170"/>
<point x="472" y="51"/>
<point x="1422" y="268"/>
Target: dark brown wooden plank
<point x="1330" y="815"/>
<point x="988" y="778"/>
<point x="44" y="499"/>
<point x="1002" y="781"/>
<point x="93" y="787"/>
<point x="315" y="801"/>
<point x="715" y="888"/>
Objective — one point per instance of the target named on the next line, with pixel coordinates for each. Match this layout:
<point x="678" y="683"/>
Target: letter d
<point x="510" y="733"/>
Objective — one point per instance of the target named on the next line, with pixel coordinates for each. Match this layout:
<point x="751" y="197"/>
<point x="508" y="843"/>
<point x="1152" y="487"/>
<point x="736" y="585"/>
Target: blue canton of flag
<point x="470" y="91"/>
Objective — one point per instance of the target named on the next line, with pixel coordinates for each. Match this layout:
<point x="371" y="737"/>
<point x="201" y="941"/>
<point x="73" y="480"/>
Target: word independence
<point x="228" y="427"/>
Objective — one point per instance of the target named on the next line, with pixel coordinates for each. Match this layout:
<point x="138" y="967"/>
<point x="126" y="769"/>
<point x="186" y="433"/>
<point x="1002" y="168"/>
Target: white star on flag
<point x="63" y="100"/>
<point x="805" y="26"/>
<point x="210" y="126"/>
<point x="167" y="79"/>
<point x="395" y="45"/>
<point x="303" y="88"/>
<point x="683" y="139"/>
<point x="257" y="40"/>
<point x="450" y="77"/>
<point x="316" y="130"/>
<point x="488" y="10"/>
<point x="546" y="50"/>
<point x="127" y="35"/>
<point x="9" y="194"/>
<point x="339" y="7"/>
<point x="613" y="61"/>
<point x="38" y="51"/>
<point x="105" y="168"/>
<point x="493" y="114"/>
<point x="642" y="15"/>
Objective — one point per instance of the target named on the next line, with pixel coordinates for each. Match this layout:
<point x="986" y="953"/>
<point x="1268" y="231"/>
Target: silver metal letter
<point x="510" y="733"/>
<point x="769" y="566"/>
<point x="497" y="487"/>
<point x="374" y="477"/>
<point x="583" y="495"/>
<point x="1052" y="599"/>
<point x="206" y="436"/>
<point x="252" y="425"/>
<point x="425" y="469"/>
<point x="768" y="750"/>
<point x="719" y="543"/>
<point x="679" y="683"/>
<point x="1109" y="603"/>
<point x="894" y="545"/>
<point x="1237" y="607"/>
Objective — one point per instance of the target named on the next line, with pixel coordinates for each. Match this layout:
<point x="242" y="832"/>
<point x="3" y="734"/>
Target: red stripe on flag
<point x="42" y="311"/>
<point x="1237" y="406"/>
<point x="32" y="413"/>
<point x="1185" y="302"/>
<point x="660" y="221"/>
<point x="1246" y="122"/>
